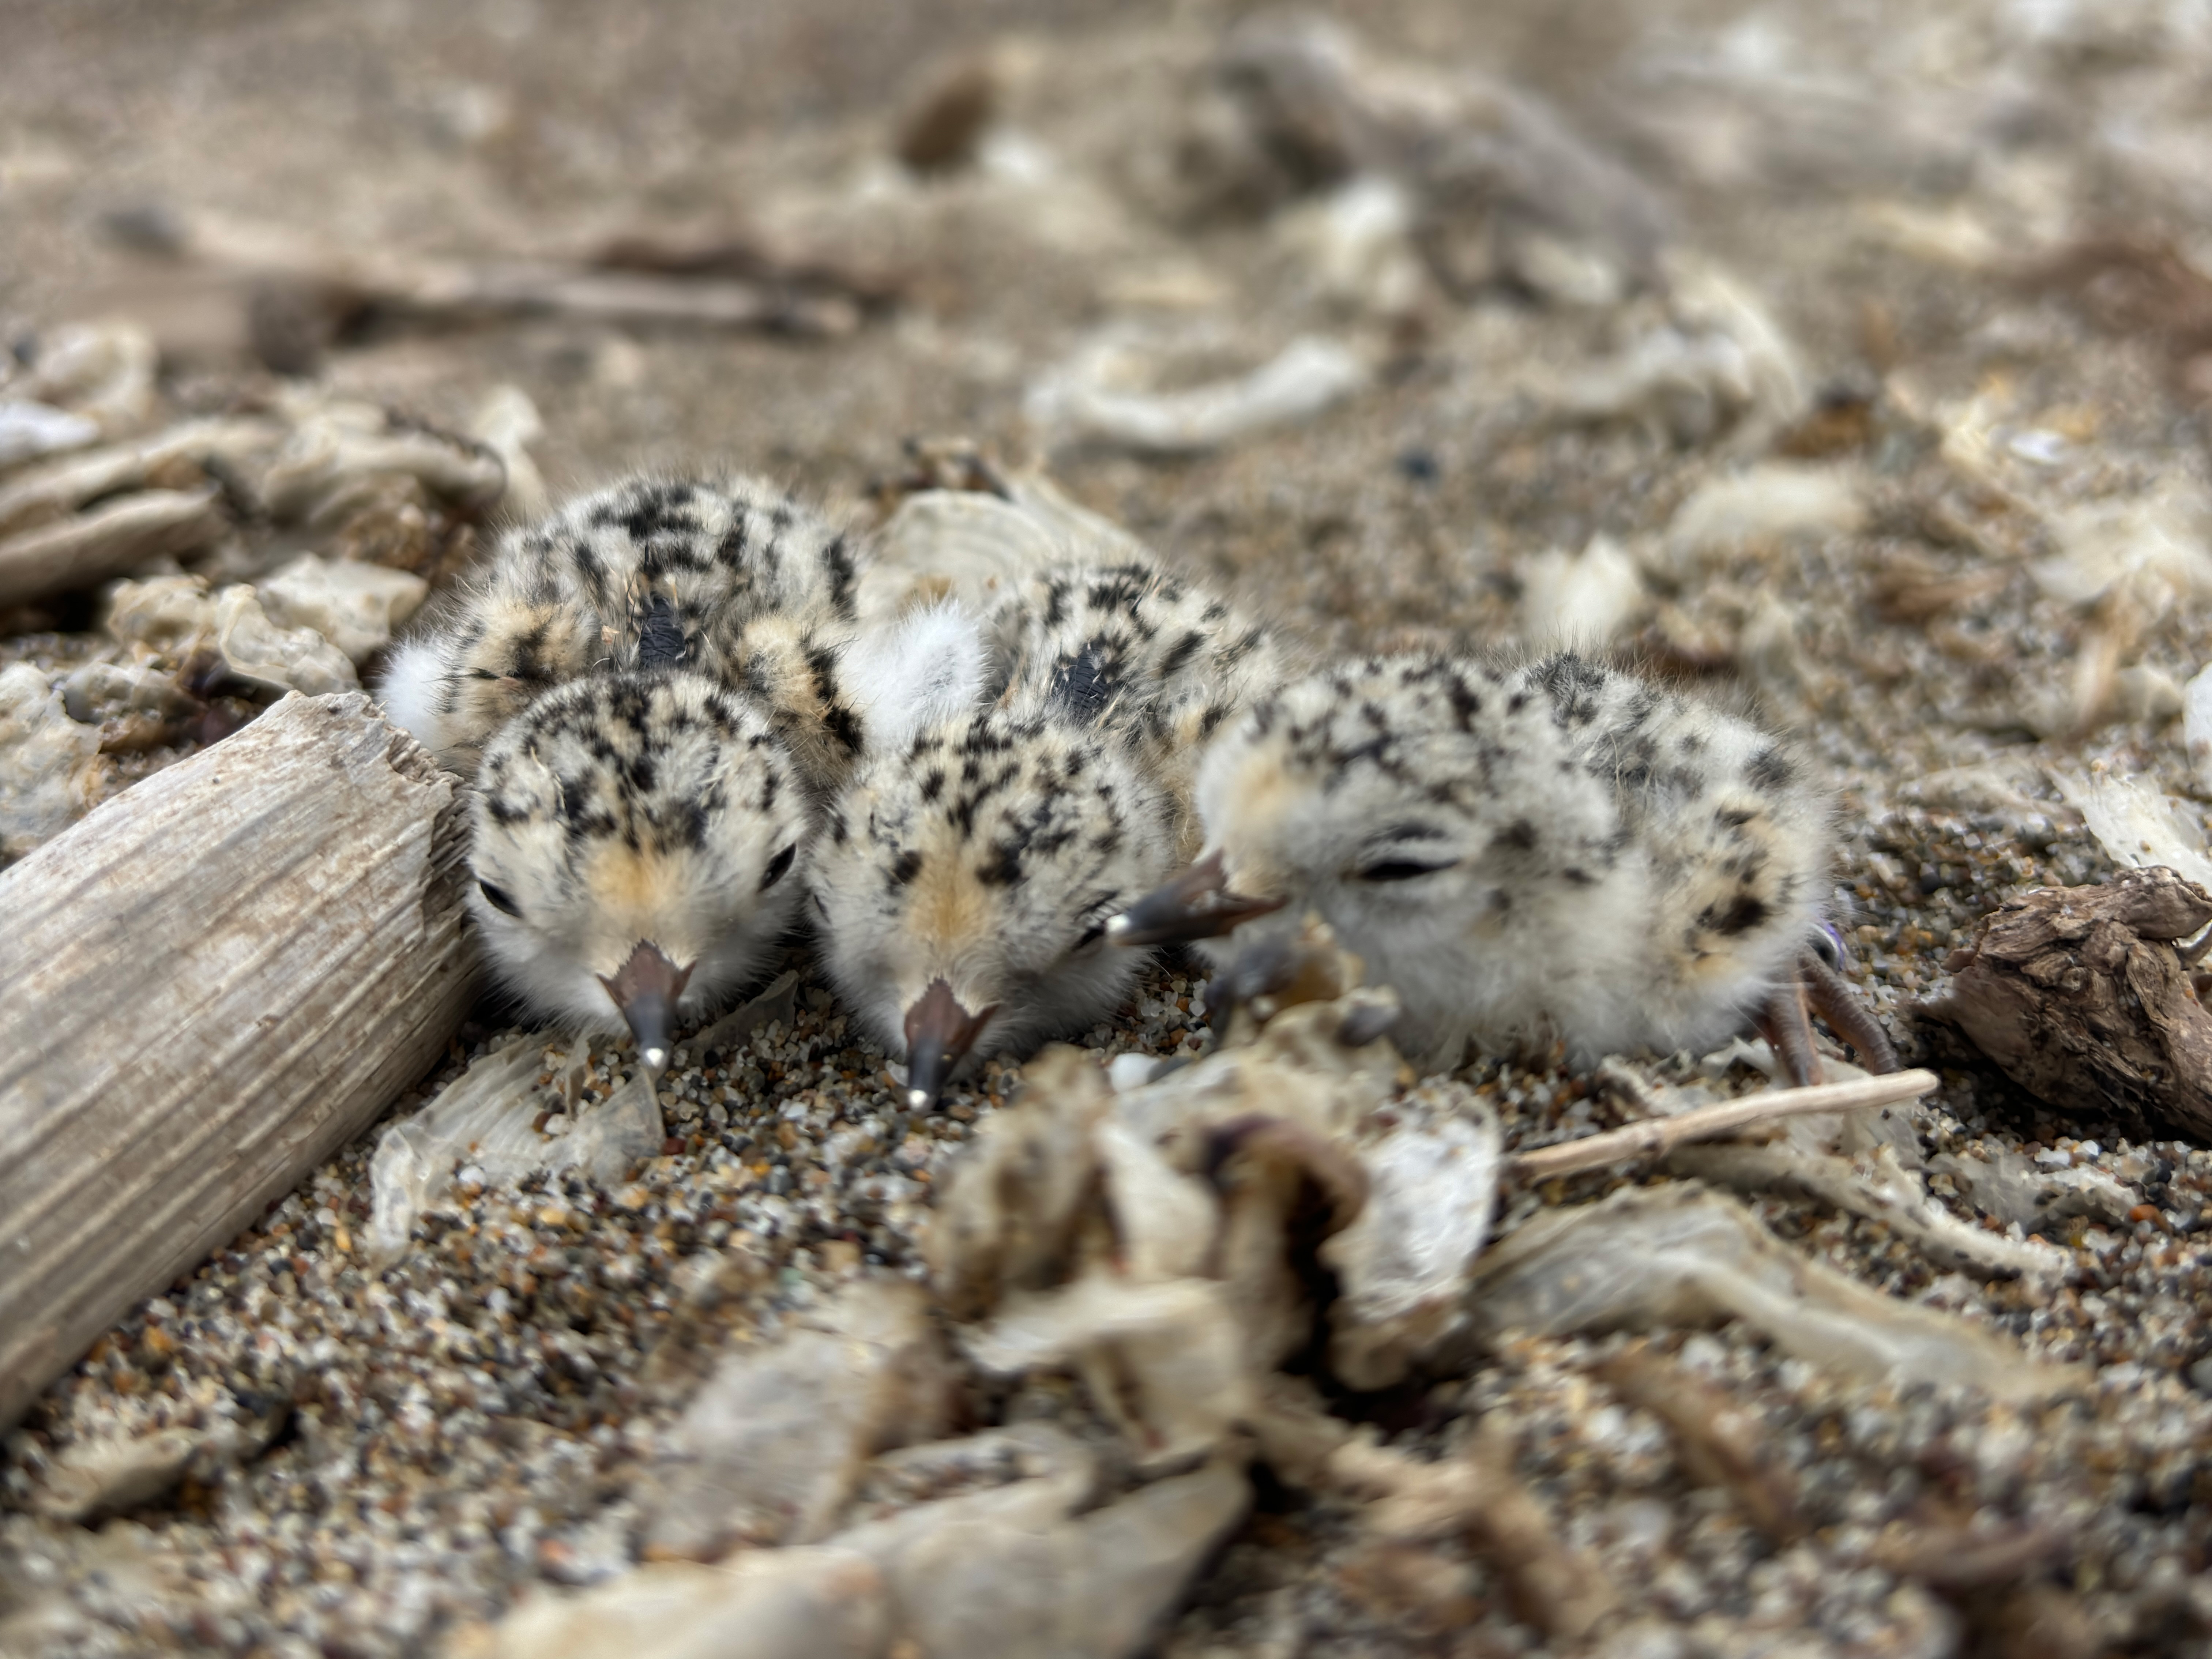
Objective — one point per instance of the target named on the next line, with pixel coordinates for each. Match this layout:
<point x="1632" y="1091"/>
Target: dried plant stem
<point x="1655" y="1135"/>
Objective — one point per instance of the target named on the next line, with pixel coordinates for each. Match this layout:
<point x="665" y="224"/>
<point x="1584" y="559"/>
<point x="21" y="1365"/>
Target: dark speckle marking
<point x="907" y="866"/>
<point x="1181" y="652"/>
<point x="1744" y="912"/>
<point x="1769" y="771"/>
<point x="1518" y="836"/>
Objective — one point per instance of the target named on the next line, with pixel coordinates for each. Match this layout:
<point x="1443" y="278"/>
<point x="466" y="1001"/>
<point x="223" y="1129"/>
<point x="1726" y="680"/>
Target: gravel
<point x="361" y="1462"/>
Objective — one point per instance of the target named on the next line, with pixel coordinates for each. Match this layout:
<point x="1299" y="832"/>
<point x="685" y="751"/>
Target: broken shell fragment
<point x="767" y="1604"/>
<point x="165" y="612"/>
<point x="1705" y="361"/>
<point x="974" y="542"/>
<point x="1103" y="396"/>
<point x="340" y="453"/>
<point x="102" y="371"/>
<point x="92" y="691"/>
<point x="770" y="1450"/>
<point x="51" y="772"/>
<point x="355" y="606"/>
<point x="2196" y="727"/>
<point x="1649" y="1257"/>
<point x="254" y="648"/>
<point x="1579" y="601"/>
<point x="506" y="423"/>
<point x="29" y="429"/>
<point x="97" y="1478"/>
<point x="2017" y="1192"/>
<point x="488" y="1117"/>
<point x="2138" y="824"/>
<point x="1759" y="507"/>
<point x="177" y="458"/>
<point x="1433" y="1187"/>
<point x="111" y="539"/>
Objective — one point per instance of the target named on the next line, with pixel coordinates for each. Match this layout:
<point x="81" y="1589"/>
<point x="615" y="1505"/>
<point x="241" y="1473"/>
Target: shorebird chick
<point x="732" y="578"/>
<point x="969" y="869"/>
<point x="1559" y="851"/>
<point x="964" y="884"/>
<point x="639" y="843"/>
<point x="1127" y="649"/>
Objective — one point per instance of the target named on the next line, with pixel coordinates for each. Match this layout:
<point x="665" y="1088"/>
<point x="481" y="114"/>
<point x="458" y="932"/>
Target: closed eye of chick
<point x="639" y="845"/>
<point x="1557" y="851"/>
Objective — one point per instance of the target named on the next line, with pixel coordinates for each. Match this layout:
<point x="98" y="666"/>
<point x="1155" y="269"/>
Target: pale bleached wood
<point x="211" y="982"/>
<point x="1656" y="1135"/>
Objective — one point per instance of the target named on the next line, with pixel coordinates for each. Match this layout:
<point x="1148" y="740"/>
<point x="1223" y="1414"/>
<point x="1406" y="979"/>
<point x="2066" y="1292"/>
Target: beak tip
<point x="656" y="1058"/>
<point x="918" y="1100"/>
<point x="1118" y="928"/>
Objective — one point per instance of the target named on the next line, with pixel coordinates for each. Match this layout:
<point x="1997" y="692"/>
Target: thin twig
<point x="1656" y="1135"/>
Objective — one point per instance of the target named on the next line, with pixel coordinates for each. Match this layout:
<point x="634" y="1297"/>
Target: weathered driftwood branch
<point x="212" y="982"/>
<point x="1654" y="1136"/>
<point x="225" y="285"/>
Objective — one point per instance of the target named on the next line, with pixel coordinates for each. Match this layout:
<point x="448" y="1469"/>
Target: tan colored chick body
<point x="1559" y="851"/>
<point x="968" y="871"/>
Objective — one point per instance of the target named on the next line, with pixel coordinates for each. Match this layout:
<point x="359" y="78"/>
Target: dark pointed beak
<point x="646" y="990"/>
<point x="939" y="1032"/>
<point x="1196" y="905"/>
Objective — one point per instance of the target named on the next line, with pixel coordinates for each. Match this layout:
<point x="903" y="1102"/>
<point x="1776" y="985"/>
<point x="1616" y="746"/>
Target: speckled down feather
<point x="989" y="849"/>
<point x="1556" y="851"/>
<point x="732" y="578"/>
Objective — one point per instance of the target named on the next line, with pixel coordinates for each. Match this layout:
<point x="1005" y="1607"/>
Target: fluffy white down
<point x="408" y="691"/>
<point x="908" y="674"/>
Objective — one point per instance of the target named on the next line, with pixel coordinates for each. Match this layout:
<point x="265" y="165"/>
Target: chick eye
<point x="1402" y="869"/>
<point x="499" y="899"/>
<point x="1094" y="922"/>
<point x="777" y="866"/>
<point x="1827" y="944"/>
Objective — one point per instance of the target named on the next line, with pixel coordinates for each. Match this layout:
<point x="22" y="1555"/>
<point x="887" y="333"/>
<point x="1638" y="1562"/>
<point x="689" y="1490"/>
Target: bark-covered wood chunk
<point x="2082" y="996"/>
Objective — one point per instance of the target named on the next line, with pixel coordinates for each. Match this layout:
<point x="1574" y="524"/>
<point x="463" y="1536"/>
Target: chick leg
<point x="1833" y="998"/>
<point x="1787" y="1030"/>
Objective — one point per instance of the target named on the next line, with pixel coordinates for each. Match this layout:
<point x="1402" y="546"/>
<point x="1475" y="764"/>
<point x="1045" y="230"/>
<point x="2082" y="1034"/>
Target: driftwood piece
<point x="112" y="540"/>
<point x="213" y="981"/>
<point x="222" y="286"/>
<point x="2079" y="995"/>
